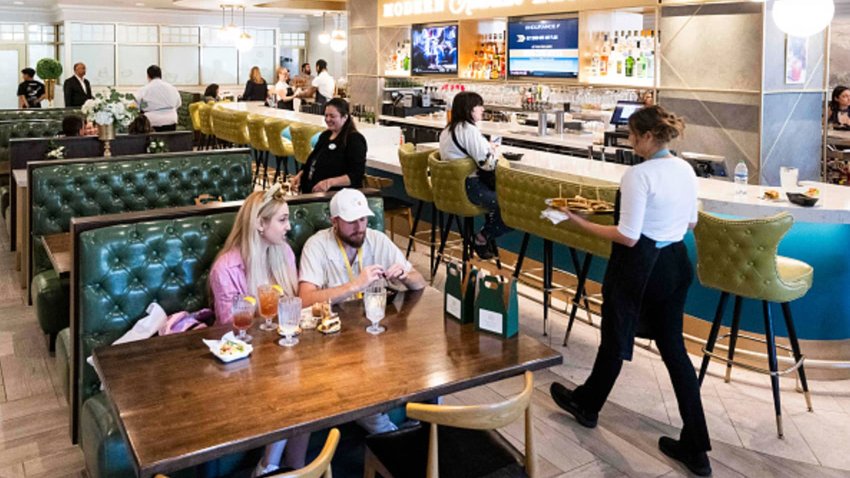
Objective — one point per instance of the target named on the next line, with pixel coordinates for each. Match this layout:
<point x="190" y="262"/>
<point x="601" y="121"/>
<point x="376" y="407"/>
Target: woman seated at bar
<point x="339" y="158"/>
<point x="256" y="253"/>
<point x="462" y="139"/>
<point x="646" y="284"/>
<point x="256" y="88"/>
<point x="211" y="93"/>
<point x="839" y="108"/>
<point x="283" y="91"/>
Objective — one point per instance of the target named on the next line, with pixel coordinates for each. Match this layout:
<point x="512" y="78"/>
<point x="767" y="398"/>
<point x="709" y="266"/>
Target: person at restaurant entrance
<point x="339" y="158"/>
<point x="159" y="101"/>
<point x="646" y="284"/>
<point x="30" y="92"/>
<point x="339" y="263"/>
<point x="324" y="83"/>
<point x="77" y="89"/>
<point x="257" y="253"/>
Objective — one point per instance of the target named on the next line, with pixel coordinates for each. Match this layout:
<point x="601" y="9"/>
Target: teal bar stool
<point x="739" y="258"/>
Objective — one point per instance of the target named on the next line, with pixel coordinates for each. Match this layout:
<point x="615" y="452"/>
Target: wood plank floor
<point x="34" y="417"/>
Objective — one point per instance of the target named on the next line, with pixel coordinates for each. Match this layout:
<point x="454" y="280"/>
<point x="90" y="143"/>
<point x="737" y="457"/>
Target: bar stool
<point x="207" y="136"/>
<point x="279" y="145"/>
<point x="417" y="184"/>
<point x="448" y="181"/>
<point x="194" y="115"/>
<point x="739" y="258"/>
<point x="302" y="140"/>
<point x="260" y="145"/>
<point x="522" y="197"/>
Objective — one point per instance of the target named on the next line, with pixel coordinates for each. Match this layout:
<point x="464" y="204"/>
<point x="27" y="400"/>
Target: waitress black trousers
<point x="662" y="308"/>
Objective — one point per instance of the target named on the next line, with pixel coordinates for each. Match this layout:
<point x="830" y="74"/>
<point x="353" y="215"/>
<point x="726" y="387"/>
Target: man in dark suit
<point x="76" y="88"/>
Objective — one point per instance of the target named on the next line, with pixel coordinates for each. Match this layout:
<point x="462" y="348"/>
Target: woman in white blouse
<point x="462" y="139"/>
<point x="283" y="91"/>
<point x="646" y="283"/>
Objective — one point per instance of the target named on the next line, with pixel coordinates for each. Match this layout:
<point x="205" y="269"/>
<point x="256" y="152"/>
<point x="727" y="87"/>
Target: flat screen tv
<point x="544" y="48"/>
<point x="434" y="49"/>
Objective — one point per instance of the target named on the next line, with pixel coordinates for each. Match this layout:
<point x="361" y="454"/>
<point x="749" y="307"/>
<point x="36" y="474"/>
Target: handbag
<point x="487" y="178"/>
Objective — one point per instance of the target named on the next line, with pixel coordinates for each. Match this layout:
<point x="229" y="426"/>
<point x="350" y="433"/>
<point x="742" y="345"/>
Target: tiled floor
<point x="34" y="416"/>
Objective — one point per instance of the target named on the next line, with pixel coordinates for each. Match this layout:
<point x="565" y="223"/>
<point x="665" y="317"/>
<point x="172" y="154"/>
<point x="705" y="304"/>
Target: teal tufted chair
<point x="739" y="257"/>
<point x="522" y="196"/>
<point x="64" y="191"/>
<point x="123" y="268"/>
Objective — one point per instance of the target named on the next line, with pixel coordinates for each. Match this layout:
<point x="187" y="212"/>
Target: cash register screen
<point x="623" y="110"/>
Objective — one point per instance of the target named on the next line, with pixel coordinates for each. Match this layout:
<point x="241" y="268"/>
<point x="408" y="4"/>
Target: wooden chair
<point x="321" y="466"/>
<point x="471" y="446"/>
<point x="393" y="206"/>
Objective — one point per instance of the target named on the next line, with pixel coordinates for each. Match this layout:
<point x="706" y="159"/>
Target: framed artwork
<point x="796" y="60"/>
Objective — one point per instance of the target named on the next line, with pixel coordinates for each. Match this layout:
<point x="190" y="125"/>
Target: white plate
<point x="229" y="348"/>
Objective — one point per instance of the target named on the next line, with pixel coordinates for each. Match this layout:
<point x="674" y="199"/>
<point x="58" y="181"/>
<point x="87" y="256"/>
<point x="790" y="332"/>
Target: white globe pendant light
<point x="803" y="18"/>
<point x="339" y="40"/>
<point x="324" y="37"/>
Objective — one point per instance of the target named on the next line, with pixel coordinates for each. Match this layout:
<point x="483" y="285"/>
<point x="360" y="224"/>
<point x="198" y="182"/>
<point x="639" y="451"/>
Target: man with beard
<point x="339" y="263"/>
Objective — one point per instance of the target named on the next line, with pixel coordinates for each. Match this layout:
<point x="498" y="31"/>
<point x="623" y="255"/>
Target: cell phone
<point x="496" y="140"/>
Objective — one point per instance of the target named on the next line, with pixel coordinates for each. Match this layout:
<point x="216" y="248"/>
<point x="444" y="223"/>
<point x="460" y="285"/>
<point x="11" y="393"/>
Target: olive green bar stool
<point x="195" y="116"/>
<point x="259" y="145"/>
<point x="279" y="146"/>
<point x="448" y="181"/>
<point x="522" y="196"/>
<point x="417" y="185"/>
<point x="739" y="258"/>
<point x="302" y="135"/>
<point x="208" y="139"/>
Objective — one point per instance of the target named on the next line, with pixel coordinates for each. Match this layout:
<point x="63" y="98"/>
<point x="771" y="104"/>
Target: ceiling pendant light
<point x="230" y="32"/>
<point x="803" y="18"/>
<point x="339" y="41"/>
<point x="324" y="37"/>
<point x="245" y="42"/>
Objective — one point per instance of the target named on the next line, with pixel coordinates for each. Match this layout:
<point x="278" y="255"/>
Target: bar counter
<point x="819" y="237"/>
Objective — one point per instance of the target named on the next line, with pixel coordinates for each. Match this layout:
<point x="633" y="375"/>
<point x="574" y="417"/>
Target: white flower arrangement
<point x="157" y="146"/>
<point x="56" y="153"/>
<point x="113" y="108"/>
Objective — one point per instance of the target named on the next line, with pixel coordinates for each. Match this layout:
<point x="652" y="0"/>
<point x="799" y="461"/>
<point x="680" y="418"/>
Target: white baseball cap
<point x="350" y="205"/>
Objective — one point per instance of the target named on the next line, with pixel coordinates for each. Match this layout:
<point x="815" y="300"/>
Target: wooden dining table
<point x="178" y="405"/>
<point x="58" y="249"/>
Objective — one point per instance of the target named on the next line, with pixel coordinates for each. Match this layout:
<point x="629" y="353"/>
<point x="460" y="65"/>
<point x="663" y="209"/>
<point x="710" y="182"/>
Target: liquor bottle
<point x="395" y="58"/>
<point x="641" y="62"/>
<point x="405" y="63"/>
<point x="629" y="64"/>
<point x="603" y="58"/>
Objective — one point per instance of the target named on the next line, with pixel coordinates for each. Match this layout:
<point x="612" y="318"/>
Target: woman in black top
<point x="256" y="89"/>
<point x="339" y="158"/>
<point x="839" y="108"/>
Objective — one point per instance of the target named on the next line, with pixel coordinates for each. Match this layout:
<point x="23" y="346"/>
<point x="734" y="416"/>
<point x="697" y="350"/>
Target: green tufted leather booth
<point x="34" y="128"/>
<point x="123" y="268"/>
<point x="739" y="257"/>
<point x="59" y="192"/>
<point x="521" y="199"/>
<point x="37" y="114"/>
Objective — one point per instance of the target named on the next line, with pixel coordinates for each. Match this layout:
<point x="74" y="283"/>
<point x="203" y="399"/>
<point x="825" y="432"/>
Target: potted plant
<point x="107" y="110"/>
<point x="49" y="70"/>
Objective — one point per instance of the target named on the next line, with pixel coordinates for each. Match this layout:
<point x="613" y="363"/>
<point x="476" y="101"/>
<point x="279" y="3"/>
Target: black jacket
<point x="74" y="94"/>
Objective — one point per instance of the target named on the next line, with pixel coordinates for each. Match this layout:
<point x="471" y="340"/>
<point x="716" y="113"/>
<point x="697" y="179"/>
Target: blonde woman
<point x="256" y="89"/>
<point x="255" y="253"/>
<point x="284" y="92"/>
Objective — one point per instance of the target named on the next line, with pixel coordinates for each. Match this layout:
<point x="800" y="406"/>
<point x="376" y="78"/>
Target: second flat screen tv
<point x="545" y="48"/>
<point x="434" y="49"/>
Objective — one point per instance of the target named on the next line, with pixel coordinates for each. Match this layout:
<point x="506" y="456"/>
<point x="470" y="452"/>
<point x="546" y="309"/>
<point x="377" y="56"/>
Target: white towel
<point x="554" y="215"/>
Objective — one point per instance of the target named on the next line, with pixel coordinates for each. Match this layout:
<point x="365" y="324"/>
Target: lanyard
<point x="348" y="263"/>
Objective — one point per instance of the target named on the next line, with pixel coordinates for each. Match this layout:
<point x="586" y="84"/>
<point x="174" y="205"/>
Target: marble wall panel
<point x="364" y="91"/>
<point x="774" y="58"/>
<point x="363" y="13"/>
<point x="792" y="135"/>
<point x="839" y="53"/>
<point x="711" y="46"/>
<point x="362" y="48"/>
<point x="390" y="39"/>
<point x="722" y="124"/>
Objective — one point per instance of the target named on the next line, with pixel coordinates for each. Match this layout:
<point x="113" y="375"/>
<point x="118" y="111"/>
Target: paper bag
<point x="496" y="305"/>
<point x="459" y="296"/>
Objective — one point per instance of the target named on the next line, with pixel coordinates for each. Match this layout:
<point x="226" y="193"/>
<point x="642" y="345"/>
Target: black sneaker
<point x="483" y="251"/>
<point x="697" y="462"/>
<point x="564" y="398"/>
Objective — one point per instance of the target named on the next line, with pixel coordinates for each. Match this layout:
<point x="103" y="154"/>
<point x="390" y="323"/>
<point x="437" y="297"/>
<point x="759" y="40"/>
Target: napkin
<point x="229" y="348"/>
<point x="145" y="328"/>
<point x="554" y="215"/>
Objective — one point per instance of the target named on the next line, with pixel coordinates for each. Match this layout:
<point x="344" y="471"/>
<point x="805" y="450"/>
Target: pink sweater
<point x="227" y="281"/>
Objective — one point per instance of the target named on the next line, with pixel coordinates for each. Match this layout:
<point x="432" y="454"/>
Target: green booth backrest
<point x="521" y="199"/>
<point x="61" y="192"/>
<point x="124" y="268"/>
<point x="37" y="128"/>
<point x="37" y="113"/>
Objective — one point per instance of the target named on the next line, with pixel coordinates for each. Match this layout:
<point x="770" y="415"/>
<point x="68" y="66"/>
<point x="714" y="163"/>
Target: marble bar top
<point x="717" y="196"/>
<point x="581" y="141"/>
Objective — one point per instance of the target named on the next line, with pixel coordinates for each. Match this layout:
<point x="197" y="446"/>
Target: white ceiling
<point x="256" y="6"/>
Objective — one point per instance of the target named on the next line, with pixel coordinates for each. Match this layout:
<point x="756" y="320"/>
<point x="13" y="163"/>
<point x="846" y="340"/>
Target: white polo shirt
<point x="324" y="83"/>
<point x="323" y="264"/>
<point x="159" y="101"/>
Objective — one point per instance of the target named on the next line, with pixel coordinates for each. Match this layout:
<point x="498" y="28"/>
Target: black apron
<point x="286" y="105"/>
<point x="320" y="98"/>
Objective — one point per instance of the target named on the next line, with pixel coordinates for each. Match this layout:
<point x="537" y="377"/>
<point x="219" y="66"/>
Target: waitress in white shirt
<point x="646" y="283"/>
<point x="324" y="83"/>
